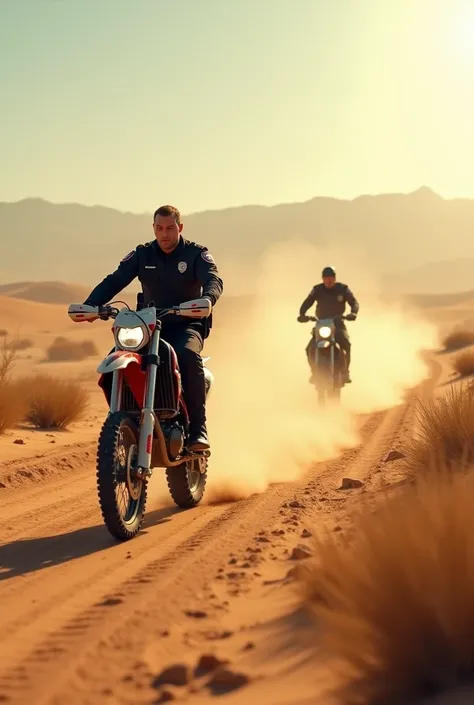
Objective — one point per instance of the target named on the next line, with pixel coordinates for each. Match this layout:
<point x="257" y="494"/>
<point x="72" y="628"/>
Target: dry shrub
<point x="395" y="605"/>
<point x="20" y="344"/>
<point x="53" y="403"/>
<point x="444" y="436"/>
<point x="64" y="350"/>
<point x="3" y="333"/>
<point x="12" y="406"/>
<point x="7" y="360"/>
<point x="464" y="363"/>
<point x="89" y="347"/>
<point x="458" y="339"/>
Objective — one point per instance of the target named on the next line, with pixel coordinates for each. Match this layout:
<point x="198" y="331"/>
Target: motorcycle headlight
<point x="130" y="338"/>
<point x="324" y="332"/>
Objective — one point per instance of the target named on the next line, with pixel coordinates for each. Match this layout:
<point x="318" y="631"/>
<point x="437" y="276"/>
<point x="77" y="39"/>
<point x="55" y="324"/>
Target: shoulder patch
<point x="207" y="257"/>
<point x="127" y="257"/>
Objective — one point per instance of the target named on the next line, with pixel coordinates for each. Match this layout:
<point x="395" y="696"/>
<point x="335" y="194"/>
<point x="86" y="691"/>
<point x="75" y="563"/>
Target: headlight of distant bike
<point x="324" y="332"/>
<point x="130" y="338"/>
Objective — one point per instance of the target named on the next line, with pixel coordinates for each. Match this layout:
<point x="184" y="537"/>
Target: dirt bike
<point x="329" y="359"/>
<point x="147" y="425"/>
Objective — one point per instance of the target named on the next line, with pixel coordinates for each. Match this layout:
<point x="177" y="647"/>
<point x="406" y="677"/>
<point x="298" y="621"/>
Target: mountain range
<point x="420" y="242"/>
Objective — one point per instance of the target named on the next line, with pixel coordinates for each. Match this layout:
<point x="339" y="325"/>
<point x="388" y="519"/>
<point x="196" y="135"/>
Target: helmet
<point x="329" y="272"/>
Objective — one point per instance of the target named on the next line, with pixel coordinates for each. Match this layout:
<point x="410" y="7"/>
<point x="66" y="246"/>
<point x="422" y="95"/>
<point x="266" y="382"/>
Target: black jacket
<point x="188" y="272"/>
<point x="330" y="302"/>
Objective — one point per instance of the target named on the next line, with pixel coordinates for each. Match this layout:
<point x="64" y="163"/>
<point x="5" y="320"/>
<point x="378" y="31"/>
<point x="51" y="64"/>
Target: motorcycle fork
<point x="116" y="391"/>
<point x="147" y="417"/>
<point x="331" y="353"/>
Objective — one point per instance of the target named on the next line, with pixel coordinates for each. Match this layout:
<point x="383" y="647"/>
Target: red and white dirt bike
<point x="148" y="424"/>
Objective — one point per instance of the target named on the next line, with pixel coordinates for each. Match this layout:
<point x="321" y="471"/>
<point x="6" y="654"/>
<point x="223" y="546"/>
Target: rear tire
<point x="335" y="394"/>
<point x="322" y="378"/>
<point x="116" y="455"/>
<point x="187" y="483"/>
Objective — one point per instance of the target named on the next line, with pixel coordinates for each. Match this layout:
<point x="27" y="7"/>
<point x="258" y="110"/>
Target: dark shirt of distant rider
<point x="330" y="297"/>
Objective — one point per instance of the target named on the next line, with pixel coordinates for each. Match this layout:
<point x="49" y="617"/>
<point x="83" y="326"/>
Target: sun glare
<point x="463" y="38"/>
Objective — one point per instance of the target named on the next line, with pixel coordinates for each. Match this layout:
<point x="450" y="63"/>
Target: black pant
<point x="342" y="339"/>
<point x="188" y="344"/>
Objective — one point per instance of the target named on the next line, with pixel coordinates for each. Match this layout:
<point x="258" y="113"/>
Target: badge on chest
<point x="182" y="267"/>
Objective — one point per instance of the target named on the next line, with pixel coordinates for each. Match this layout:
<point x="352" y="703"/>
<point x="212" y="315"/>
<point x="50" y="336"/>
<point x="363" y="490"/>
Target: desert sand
<point x="210" y="593"/>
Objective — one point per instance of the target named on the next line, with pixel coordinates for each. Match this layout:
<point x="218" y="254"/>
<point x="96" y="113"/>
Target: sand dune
<point x="45" y="292"/>
<point x="18" y="314"/>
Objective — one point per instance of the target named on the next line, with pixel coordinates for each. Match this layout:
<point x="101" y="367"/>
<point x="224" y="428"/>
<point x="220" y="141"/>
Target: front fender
<point x="118" y="360"/>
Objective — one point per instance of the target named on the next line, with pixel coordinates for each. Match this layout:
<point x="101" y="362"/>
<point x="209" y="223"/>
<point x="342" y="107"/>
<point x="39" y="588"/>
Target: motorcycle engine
<point x="174" y="439"/>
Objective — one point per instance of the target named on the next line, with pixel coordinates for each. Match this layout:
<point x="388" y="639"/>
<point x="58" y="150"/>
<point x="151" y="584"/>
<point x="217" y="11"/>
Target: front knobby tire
<point x="122" y="500"/>
<point x="187" y="482"/>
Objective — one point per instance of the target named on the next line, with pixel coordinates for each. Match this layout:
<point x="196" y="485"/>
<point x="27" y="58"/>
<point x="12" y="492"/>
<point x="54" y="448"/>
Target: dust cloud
<point x="263" y="419"/>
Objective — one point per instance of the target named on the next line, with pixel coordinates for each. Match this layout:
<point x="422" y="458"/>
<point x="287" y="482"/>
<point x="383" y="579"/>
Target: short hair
<point x="167" y="211"/>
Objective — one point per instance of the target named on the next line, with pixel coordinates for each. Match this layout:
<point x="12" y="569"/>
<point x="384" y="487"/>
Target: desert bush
<point x="464" y="363"/>
<point x="12" y="406"/>
<point x="89" y="347"/>
<point x="444" y="432"/>
<point x="53" y="403"/>
<point x="20" y="344"/>
<point x="3" y="333"/>
<point x="7" y="360"/>
<point x="64" y="350"/>
<point x="394" y="604"/>
<point x="458" y="339"/>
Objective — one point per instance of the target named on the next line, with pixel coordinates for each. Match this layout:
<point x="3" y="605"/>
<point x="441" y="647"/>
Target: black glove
<point x="303" y="319"/>
<point x="351" y="317"/>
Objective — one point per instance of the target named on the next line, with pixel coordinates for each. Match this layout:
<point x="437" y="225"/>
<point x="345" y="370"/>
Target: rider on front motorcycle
<point x="331" y="298"/>
<point x="173" y="270"/>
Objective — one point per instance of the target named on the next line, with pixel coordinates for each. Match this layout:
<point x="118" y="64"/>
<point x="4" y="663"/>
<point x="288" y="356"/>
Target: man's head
<point x="167" y="227"/>
<point x="329" y="277"/>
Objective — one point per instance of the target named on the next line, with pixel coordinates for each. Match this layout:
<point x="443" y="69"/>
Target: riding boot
<point x="310" y="357"/>
<point x="198" y="439"/>
<point x="347" y="356"/>
<point x="196" y="402"/>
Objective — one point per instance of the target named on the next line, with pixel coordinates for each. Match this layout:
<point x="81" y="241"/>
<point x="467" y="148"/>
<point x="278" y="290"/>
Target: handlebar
<point x="332" y="318"/>
<point x="193" y="309"/>
<point x="106" y="312"/>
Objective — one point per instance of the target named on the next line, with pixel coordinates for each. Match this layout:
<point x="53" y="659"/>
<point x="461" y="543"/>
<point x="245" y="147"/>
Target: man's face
<point x="167" y="232"/>
<point x="329" y="282"/>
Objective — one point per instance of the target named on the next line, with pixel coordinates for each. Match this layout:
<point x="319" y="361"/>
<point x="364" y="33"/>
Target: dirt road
<point x="85" y="620"/>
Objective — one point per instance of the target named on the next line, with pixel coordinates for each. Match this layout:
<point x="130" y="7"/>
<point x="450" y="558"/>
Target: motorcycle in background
<point x="329" y="362"/>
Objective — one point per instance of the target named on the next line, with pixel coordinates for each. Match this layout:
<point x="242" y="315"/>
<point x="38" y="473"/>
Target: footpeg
<point x="143" y="473"/>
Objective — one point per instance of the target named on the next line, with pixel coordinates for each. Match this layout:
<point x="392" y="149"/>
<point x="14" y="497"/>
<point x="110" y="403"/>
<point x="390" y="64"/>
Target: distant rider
<point x="331" y="298"/>
<point x="172" y="270"/>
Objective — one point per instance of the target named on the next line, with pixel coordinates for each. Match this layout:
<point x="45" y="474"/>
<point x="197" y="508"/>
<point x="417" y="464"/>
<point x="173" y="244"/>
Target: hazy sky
<point x="213" y="103"/>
